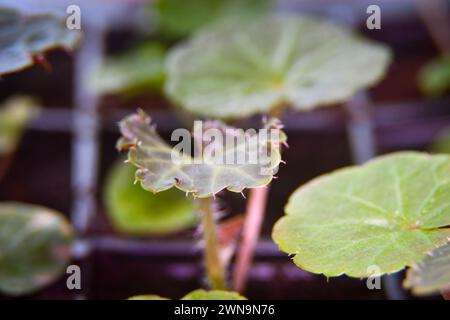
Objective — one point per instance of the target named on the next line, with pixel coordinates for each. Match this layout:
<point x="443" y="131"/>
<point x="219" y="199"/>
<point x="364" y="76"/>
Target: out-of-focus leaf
<point x="432" y="274"/>
<point x="23" y="37"/>
<point x="213" y="295"/>
<point x="235" y="70"/>
<point x="14" y="115"/>
<point x="442" y="142"/>
<point x="134" y="72"/>
<point x="389" y="213"/>
<point x="198" y="295"/>
<point x="179" y="18"/>
<point x="158" y="171"/>
<point x="148" y="297"/>
<point x="434" y="78"/>
<point x="34" y="247"/>
<point x="135" y="211"/>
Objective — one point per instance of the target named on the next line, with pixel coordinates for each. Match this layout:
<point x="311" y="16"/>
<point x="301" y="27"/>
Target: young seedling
<point x="235" y="70"/>
<point x="161" y="167"/>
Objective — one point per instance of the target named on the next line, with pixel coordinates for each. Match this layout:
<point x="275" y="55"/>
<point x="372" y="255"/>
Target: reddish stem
<point x="256" y="207"/>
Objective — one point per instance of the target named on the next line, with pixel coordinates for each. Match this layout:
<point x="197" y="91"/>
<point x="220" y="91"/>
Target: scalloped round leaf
<point x="179" y="18"/>
<point x="25" y="36"/>
<point x="239" y="69"/>
<point x="434" y="78"/>
<point x="432" y="274"/>
<point x="135" y="211"/>
<point x="161" y="166"/>
<point x="388" y="213"/>
<point x="134" y="72"/>
<point x="35" y="246"/>
<point x="201" y="294"/>
<point x="15" y="113"/>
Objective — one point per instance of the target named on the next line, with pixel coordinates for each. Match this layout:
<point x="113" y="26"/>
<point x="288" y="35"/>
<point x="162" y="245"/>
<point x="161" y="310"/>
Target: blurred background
<point x="66" y="159"/>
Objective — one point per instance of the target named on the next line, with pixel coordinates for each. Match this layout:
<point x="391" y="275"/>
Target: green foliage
<point x="432" y="274"/>
<point x="158" y="172"/>
<point x="133" y="210"/>
<point x="239" y="69"/>
<point x="137" y="71"/>
<point x="198" y="295"/>
<point x="26" y="36"/>
<point x="434" y="78"/>
<point x="390" y="213"/>
<point x="179" y="18"/>
<point x="14" y="115"/>
<point x="35" y="245"/>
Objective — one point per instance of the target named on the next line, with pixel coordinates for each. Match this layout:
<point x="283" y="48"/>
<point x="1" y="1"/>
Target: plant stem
<point x="252" y="227"/>
<point x="256" y="207"/>
<point x="214" y="268"/>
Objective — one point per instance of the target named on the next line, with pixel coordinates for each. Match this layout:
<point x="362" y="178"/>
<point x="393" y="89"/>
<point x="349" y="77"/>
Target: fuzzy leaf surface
<point x="158" y="172"/>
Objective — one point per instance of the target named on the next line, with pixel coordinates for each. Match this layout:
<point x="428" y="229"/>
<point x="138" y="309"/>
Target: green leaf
<point x="434" y="78"/>
<point x="26" y="36"/>
<point x="35" y="244"/>
<point x="179" y="18"/>
<point x="14" y="115"/>
<point x="388" y="213"/>
<point x="197" y="295"/>
<point x="158" y="172"/>
<point x="213" y="295"/>
<point x="137" y="71"/>
<point x="133" y="210"/>
<point x="432" y="274"/>
<point x="236" y="70"/>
